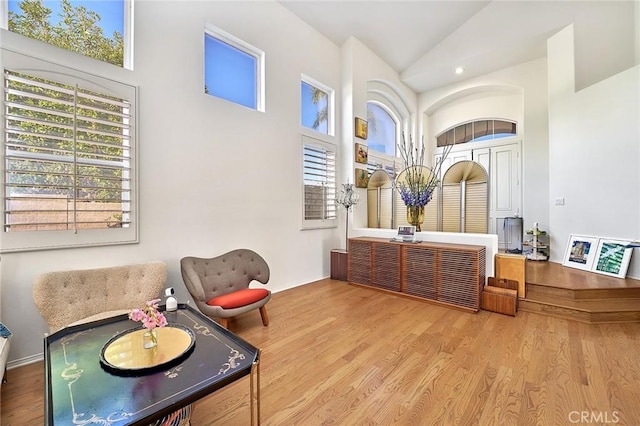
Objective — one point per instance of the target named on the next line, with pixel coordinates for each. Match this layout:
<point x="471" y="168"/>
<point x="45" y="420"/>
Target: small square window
<point x="233" y="69"/>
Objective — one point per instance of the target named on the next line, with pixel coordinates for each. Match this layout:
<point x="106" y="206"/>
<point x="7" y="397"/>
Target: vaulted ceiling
<point x="425" y="41"/>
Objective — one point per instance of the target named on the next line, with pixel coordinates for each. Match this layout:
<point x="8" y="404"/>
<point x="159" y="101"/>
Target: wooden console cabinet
<point x="450" y="274"/>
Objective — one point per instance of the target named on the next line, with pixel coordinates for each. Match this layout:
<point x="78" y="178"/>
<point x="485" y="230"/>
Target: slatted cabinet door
<point x="386" y="266"/>
<point x="359" y="262"/>
<point x="420" y="274"/>
<point x="459" y="283"/>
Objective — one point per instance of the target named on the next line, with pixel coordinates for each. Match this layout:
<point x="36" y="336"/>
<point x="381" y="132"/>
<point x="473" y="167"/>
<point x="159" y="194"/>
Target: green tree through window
<point x="75" y="28"/>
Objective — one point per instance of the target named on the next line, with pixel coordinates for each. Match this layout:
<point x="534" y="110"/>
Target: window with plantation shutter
<point x="319" y="180"/>
<point x="68" y="159"/>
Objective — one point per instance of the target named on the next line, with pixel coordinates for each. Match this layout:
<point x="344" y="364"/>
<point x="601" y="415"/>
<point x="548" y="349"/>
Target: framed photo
<point x="361" y="128"/>
<point x="362" y="153"/>
<point x="612" y="257"/>
<point x="362" y="178"/>
<point x="581" y="250"/>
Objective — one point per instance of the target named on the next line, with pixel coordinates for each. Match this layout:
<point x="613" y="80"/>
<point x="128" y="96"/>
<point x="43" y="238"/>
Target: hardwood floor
<point x="341" y="354"/>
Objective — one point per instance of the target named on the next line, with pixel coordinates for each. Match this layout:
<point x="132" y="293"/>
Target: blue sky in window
<point x="310" y="110"/>
<point x="111" y="12"/>
<point x="382" y="137"/>
<point x="229" y="73"/>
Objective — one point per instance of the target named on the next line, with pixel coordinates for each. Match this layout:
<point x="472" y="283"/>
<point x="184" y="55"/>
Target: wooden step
<point x="594" y="311"/>
<point x="563" y="292"/>
<point x="535" y="290"/>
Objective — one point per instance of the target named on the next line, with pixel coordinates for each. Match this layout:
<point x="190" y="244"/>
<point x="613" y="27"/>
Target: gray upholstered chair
<point x="69" y="297"/>
<point x="220" y="285"/>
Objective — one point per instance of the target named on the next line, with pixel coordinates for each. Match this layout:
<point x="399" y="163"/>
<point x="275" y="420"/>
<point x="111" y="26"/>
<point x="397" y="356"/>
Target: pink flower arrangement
<point x="149" y="315"/>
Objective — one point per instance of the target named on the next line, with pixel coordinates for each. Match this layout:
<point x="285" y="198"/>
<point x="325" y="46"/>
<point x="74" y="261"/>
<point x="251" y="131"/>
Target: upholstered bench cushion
<point x="239" y="298"/>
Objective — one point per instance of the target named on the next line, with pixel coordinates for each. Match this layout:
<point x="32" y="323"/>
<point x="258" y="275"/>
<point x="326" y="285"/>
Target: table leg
<point x="255" y="370"/>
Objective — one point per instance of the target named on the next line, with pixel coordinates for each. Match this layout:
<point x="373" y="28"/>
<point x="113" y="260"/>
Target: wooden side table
<point x="339" y="264"/>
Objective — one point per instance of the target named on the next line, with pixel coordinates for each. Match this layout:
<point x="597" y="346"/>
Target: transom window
<point x="316" y="106"/>
<point x="382" y="130"/>
<point x="476" y="131"/>
<point x="233" y="69"/>
<point x="99" y="29"/>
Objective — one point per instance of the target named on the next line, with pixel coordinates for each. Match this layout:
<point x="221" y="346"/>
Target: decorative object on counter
<point x="417" y="183"/>
<point x="150" y="318"/>
<point x="539" y="248"/>
<point x="347" y="198"/>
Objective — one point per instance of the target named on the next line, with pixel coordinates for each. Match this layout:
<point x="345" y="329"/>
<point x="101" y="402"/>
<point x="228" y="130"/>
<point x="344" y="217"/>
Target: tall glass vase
<point x="415" y="216"/>
<point x="150" y="338"/>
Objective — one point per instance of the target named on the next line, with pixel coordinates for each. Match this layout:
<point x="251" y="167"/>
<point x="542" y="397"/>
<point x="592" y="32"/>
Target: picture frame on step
<point x="612" y="257"/>
<point x="580" y="252"/>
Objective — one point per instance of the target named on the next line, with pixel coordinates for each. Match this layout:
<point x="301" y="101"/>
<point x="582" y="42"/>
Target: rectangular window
<point x="319" y="180"/>
<point x="97" y="29"/>
<point x="233" y="69"/>
<point x="316" y="106"/>
<point x="68" y="155"/>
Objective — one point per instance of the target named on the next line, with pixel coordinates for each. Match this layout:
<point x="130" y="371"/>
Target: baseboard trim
<point x="25" y="361"/>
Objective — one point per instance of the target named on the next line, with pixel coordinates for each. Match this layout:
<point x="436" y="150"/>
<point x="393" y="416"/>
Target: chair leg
<point x="224" y="322"/>
<point x="263" y="314"/>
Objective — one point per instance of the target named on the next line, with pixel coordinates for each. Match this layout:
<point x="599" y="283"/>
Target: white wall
<point x="594" y="151"/>
<point x="214" y="176"/>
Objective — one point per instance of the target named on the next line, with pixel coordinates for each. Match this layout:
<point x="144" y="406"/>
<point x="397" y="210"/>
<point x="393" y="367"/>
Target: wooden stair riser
<point x="534" y="290"/>
<point x="579" y="314"/>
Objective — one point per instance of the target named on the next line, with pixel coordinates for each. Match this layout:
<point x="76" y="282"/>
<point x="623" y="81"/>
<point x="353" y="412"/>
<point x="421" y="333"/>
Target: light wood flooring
<point x="345" y="355"/>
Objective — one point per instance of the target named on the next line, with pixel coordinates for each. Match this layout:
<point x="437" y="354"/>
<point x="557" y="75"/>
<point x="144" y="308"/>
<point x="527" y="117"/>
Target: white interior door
<point x="505" y="184"/>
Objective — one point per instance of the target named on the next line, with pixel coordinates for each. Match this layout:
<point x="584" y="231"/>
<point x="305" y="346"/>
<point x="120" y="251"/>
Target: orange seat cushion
<point x="239" y="298"/>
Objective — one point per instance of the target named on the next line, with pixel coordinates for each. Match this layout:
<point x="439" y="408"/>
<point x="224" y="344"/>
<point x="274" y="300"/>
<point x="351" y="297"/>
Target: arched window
<point x="382" y="128"/>
<point x="475" y="131"/>
<point x="388" y="117"/>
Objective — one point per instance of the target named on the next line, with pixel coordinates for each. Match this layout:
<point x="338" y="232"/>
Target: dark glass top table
<point x="80" y="389"/>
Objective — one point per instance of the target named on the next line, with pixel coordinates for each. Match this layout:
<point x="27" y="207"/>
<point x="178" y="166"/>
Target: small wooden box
<point x="500" y="300"/>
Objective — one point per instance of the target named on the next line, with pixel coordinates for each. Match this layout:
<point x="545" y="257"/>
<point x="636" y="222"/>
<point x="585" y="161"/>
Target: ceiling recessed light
<point x="459" y="70"/>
